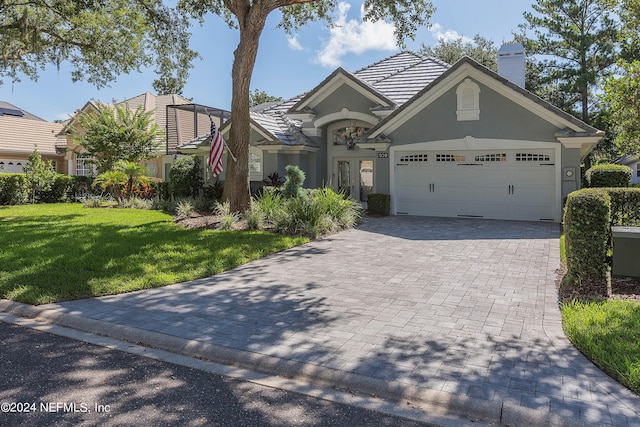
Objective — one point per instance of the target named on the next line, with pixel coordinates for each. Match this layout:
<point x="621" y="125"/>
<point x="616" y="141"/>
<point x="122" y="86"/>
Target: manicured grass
<point x="61" y="252"/>
<point x="608" y="333"/>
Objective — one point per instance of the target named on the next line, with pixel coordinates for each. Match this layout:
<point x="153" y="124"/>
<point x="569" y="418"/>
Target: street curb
<point x="474" y="409"/>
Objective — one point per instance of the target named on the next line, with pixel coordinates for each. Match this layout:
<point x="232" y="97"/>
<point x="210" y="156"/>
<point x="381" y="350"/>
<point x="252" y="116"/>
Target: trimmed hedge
<point x="60" y="189"/>
<point x="14" y="189"/>
<point x="625" y="206"/>
<point x="586" y="222"/>
<point x="609" y="175"/>
<point x="379" y="204"/>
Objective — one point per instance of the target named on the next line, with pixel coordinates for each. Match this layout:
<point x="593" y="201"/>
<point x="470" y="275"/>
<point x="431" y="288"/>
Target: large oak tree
<point x="249" y="17"/>
<point x="101" y="39"/>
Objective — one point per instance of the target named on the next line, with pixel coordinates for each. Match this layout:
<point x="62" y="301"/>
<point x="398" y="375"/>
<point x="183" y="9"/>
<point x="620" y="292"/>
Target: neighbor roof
<point x="20" y="136"/>
<point x="7" y="109"/>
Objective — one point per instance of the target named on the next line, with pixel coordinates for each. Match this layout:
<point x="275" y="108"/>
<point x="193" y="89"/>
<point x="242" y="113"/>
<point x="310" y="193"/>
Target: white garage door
<point x="498" y="184"/>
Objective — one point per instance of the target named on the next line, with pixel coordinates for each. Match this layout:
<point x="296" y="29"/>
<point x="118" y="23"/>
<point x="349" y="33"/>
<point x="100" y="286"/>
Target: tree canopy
<point x="579" y="40"/>
<point x="258" y="97"/>
<point x="622" y="98"/>
<point x="114" y="133"/>
<point x="249" y="18"/>
<point x="480" y="49"/>
<point x="100" y="39"/>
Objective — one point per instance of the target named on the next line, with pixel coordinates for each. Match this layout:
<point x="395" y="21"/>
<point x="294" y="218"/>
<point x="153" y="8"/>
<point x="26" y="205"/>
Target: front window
<point x="255" y="164"/>
<point x="348" y="136"/>
<point x="84" y="167"/>
<point x="151" y="169"/>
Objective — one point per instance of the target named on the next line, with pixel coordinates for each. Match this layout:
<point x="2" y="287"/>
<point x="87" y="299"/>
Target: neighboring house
<point x="633" y="161"/>
<point x="20" y="133"/>
<point x="454" y="141"/>
<point x="175" y="115"/>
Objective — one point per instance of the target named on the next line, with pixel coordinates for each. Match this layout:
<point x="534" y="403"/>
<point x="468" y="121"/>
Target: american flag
<point x="215" y="153"/>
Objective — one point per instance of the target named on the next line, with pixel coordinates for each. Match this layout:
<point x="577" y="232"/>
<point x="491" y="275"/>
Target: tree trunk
<point x="236" y="188"/>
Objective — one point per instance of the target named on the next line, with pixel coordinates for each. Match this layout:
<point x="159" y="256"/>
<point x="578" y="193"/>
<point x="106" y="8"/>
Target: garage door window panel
<point x="494" y="157"/>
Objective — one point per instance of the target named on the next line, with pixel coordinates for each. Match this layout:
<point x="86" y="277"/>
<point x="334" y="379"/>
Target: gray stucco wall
<point x="570" y="159"/>
<point x="382" y="171"/>
<point x="343" y="97"/>
<point x="500" y="118"/>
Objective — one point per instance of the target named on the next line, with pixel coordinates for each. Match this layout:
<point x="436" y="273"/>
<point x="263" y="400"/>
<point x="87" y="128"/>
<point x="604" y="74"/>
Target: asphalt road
<point x="47" y="379"/>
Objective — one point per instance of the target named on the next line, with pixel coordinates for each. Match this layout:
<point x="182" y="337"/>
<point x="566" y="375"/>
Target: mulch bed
<point x="625" y="288"/>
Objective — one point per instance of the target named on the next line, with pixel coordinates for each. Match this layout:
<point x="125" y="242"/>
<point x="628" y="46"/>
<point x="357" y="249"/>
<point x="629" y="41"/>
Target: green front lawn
<point x="59" y="252"/>
<point x="608" y="333"/>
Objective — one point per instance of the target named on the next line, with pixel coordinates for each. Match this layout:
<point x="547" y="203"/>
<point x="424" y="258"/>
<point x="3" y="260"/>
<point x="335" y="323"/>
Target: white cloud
<point x="63" y="116"/>
<point x="294" y="44"/>
<point x="354" y="36"/>
<point x="447" y="35"/>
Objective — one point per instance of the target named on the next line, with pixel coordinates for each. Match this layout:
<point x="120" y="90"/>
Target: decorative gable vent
<point x="468" y="94"/>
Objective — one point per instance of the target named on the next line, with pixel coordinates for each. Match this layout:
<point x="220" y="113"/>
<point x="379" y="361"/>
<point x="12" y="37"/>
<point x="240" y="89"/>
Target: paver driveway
<point x="458" y="305"/>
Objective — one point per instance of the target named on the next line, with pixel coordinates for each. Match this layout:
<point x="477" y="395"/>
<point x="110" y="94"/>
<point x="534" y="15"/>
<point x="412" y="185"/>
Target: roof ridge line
<point x="420" y="58"/>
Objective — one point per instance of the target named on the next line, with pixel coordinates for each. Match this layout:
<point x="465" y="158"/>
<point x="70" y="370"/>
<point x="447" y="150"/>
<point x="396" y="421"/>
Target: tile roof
<point x="401" y="76"/>
<point x="25" y="114"/>
<point x="287" y="131"/>
<point x="20" y="136"/>
<point x="398" y="78"/>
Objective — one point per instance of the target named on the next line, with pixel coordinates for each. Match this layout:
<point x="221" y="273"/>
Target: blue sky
<point x="285" y="66"/>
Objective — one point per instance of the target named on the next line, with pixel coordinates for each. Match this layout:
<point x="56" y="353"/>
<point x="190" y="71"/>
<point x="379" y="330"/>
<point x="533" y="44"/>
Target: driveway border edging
<point x="472" y="408"/>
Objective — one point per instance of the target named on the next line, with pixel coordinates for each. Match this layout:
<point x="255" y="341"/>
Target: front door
<point x="354" y="177"/>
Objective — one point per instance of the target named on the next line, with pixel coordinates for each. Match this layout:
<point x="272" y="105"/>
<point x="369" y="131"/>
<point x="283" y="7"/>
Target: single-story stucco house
<point x="453" y="141"/>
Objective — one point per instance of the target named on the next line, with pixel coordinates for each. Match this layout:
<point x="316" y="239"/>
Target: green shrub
<point x="184" y="208"/>
<point x="625" y="206"/>
<point x="59" y="191"/>
<point x="608" y="175"/>
<point x="586" y="222"/>
<point x="379" y="204"/>
<point x="95" y="201"/>
<point x="14" y="189"/>
<point x="203" y="205"/>
<point x="294" y="181"/>
<point x="302" y="215"/>
<point x="254" y="216"/>
<point x="161" y="189"/>
<point x="345" y="212"/>
<point x="81" y="186"/>
<point x="270" y="203"/>
<point x="213" y="192"/>
<point x="185" y="177"/>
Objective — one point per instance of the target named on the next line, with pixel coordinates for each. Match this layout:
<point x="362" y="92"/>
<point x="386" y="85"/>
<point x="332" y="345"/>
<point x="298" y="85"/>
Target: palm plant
<point x="112" y="181"/>
<point x="136" y="174"/>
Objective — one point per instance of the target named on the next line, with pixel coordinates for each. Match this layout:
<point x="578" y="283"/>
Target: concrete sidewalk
<point x="457" y="313"/>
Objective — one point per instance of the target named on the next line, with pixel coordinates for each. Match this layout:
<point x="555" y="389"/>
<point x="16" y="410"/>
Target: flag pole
<point x="225" y="142"/>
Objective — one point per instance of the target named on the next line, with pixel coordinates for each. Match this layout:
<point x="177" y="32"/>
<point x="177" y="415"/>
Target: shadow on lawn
<point x="53" y="258"/>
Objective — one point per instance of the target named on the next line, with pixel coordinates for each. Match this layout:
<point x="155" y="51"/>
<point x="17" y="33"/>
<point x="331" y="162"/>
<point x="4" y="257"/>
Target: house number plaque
<point x="383" y="155"/>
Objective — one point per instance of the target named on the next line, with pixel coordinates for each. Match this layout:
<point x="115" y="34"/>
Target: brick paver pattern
<point x="465" y="306"/>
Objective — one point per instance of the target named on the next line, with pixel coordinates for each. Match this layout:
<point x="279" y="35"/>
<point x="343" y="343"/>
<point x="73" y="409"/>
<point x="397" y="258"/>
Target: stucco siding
<point x="343" y="97"/>
<point x="500" y="118"/>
